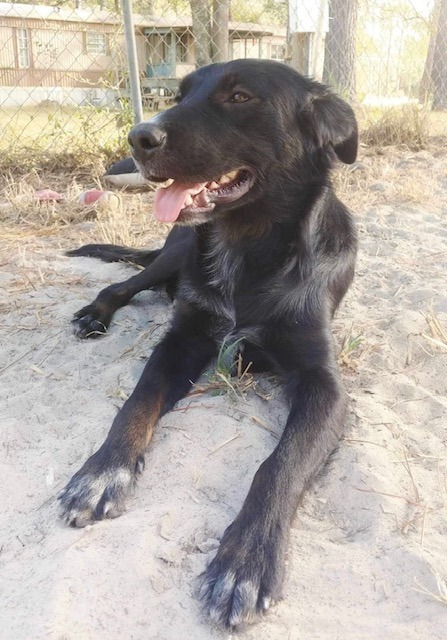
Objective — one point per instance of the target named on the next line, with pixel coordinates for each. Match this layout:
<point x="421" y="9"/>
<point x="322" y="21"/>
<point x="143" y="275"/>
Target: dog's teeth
<point x="228" y="177"/>
<point x="214" y="185"/>
<point x="188" y="200"/>
<point x="168" y="182"/>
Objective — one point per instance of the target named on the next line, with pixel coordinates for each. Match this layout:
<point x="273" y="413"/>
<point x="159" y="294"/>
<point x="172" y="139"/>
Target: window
<point x="181" y="48"/>
<point x="278" y="52"/>
<point x="96" y="43"/>
<point x="157" y="49"/>
<point x="23" y="48"/>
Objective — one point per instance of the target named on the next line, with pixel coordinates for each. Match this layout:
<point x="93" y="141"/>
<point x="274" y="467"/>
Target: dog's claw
<point x="230" y="601"/>
<point x="89" y="323"/>
<point x="242" y="581"/>
<point x="91" y="496"/>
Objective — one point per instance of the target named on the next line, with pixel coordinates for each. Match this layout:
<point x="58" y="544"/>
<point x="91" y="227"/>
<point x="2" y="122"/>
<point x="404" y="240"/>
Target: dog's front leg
<point x="247" y="573"/>
<point x="93" y="320"/>
<point x="99" y="489"/>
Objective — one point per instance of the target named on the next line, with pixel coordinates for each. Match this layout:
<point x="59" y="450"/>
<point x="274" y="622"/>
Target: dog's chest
<point x="223" y="271"/>
<point x="213" y="289"/>
<point x="227" y="285"/>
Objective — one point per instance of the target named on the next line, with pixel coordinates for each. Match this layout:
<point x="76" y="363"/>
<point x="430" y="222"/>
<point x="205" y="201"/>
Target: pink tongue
<point x="170" y="201"/>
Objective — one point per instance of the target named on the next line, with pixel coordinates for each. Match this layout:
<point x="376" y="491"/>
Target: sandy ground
<point x="368" y="551"/>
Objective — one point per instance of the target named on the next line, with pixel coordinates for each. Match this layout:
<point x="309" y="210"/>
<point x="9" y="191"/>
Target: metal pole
<point x="134" y="78"/>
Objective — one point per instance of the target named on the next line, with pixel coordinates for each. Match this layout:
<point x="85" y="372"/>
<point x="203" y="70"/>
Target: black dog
<point x="268" y="255"/>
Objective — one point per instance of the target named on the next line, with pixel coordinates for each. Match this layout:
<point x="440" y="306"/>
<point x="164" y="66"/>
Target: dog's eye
<point x="239" y="97"/>
<point x="178" y="97"/>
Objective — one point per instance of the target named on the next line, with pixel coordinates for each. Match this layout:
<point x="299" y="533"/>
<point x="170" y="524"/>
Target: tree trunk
<point x="201" y="29"/>
<point x="439" y="69"/>
<point x="426" y="85"/>
<point x="219" y="44"/>
<point x="339" y="56"/>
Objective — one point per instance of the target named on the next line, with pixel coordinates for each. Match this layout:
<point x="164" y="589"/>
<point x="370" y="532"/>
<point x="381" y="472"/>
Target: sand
<point x="368" y="550"/>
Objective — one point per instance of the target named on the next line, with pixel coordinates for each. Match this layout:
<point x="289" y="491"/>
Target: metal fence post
<point x="134" y="79"/>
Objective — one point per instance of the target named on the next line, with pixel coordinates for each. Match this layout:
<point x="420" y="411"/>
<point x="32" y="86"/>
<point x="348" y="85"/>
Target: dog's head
<point x="237" y="130"/>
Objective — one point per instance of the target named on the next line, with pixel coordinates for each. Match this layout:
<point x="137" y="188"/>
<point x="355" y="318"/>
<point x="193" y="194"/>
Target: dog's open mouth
<point x="200" y="197"/>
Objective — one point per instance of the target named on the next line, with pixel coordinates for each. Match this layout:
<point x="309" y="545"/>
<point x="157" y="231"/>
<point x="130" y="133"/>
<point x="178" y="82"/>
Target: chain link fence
<point x="64" y="71"/>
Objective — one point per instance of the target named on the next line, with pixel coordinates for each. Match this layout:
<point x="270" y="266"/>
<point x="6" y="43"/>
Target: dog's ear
<point x="334" y="123"/>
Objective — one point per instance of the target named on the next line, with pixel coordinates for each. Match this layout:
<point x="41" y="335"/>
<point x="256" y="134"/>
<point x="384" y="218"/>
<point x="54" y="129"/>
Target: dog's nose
<point x="146" y="138"/>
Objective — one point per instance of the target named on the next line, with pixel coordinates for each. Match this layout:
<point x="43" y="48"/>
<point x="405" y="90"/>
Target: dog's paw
<point x="91" y="322"/>
<point x="244" y="578"/>
<point x="95" y="494"/>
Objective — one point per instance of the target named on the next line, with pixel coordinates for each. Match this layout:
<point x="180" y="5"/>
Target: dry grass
<point x="437" y="336"/>
<point x="380" y="178"/>
<point x="21" y="213"/>
<point x="405" y="125"/>
<point x="26" y="222"/>
<point x="230" y="376"/>
<point x="418" y="507"/>
<point x="24" y="217"/>
<point x="82" y="160"/>
<point x="440" y="595"/>
<point x="391" y="167"/>
<point x="20" y="206"/>
<point x="434" y="341"/>
<point x="388" y="176"/>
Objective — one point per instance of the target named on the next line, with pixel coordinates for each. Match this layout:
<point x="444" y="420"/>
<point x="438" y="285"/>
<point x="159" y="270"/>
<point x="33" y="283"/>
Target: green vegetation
<point x="47" y="136"/>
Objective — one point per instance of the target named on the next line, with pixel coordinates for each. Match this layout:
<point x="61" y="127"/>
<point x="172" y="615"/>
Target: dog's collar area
<point x="177" y="197"/>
